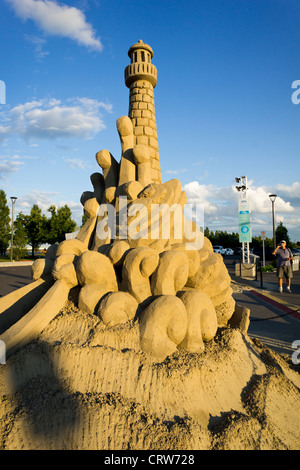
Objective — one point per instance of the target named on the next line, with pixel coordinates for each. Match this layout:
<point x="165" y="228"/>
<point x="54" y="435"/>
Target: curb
<point x="292" y="310"/>
<point x="15" y="263"/>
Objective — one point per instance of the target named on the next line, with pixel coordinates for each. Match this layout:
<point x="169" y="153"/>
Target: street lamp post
<point x="13" y="200"/>
<point x="273" y="197"/>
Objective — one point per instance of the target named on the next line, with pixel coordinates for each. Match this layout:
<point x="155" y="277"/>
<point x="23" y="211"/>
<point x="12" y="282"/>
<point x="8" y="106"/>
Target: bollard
<point x="261" y="276"/>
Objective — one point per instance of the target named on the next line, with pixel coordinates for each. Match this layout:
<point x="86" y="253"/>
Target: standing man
<point x="284" y="267"/>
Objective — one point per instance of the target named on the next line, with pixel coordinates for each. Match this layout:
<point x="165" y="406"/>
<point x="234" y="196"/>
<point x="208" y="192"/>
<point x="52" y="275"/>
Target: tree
<point x="206" y="232"/>
<point x="282" y="233"/>
<point x="20" y="239"/>
<point x="36" y="227"/>
<point x="4" y="223"/>
<point x="60" y="223"/>
<point x="223" y="238"/>
<point x="84" y="219"/>
<point x="257" y="242"/>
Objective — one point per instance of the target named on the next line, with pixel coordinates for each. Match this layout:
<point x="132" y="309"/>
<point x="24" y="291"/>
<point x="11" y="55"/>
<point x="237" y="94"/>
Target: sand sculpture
<point x="173" y="282"/>
<point x="129" y="336"/>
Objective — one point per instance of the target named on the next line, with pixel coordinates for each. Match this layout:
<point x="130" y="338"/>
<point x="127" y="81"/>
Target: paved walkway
<point x="275" y="316"/>
<point x="11" y="264"/>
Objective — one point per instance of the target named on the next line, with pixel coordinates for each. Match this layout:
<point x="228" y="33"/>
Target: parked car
<point x="238" y="251"/>
<point x="228" y="252"/>
<point x="219" y="249"/>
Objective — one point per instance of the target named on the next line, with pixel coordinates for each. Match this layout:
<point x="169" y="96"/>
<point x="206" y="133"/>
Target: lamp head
<point x="273" y="197"/>
<point x="13" y="199"/>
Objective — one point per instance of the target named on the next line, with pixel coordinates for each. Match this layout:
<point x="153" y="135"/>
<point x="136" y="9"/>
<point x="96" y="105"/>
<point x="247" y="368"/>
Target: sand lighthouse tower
<point x="141" y="78"/>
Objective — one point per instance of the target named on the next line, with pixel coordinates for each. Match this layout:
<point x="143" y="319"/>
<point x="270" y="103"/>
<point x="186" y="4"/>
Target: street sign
<point x="263" y="235"/>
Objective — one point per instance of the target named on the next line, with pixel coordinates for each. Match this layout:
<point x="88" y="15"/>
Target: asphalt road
<point x="12" y="278"/>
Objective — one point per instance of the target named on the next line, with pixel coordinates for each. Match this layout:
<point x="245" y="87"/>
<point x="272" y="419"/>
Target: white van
<point x="219" y="249"/>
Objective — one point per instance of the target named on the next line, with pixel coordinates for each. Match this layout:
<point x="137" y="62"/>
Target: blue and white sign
<point x="245" y="235"/>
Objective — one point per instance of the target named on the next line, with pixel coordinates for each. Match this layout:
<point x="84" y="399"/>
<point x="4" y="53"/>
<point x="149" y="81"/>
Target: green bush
<point x="269" y="267"/>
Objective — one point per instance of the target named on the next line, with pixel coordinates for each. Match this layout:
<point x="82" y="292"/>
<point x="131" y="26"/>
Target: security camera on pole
<point x="245" y="236"/>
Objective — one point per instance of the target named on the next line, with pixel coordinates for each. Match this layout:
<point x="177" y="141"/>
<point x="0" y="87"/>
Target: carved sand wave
<point x="82" y="385"/>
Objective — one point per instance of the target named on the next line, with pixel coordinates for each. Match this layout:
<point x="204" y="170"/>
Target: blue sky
<point x="223" y="100"/>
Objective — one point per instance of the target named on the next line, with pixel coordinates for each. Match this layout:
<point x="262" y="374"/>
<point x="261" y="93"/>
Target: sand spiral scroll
<point x="97" y="277"/>
<point x="171" y="274"/>
<point x="163" y="326"/>
<point x="138" y="266"/>
<point x="117" y="307"/>
<point x="202" y="320"/>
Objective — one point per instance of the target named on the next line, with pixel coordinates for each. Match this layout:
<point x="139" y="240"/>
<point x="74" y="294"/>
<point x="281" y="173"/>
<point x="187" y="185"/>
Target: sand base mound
<point x="81" y="385"/>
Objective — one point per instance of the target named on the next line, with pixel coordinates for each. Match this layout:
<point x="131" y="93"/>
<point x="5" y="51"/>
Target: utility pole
<point x="273" y="197"/>
<point x="13" y="200"/>
<point x="244" y="218"/>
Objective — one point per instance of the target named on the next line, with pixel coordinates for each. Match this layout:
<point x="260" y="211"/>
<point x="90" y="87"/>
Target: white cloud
<point x="45" y="199"/>
<point x="201" y="194"/>
<point x="78" y="117"/>
<point x="221" y="207"/>
<point x="9" y="165"/>
<point x="292" y="192"/>
<point x="38" y="43"/>
<point x="260" y="201"/>
<point x="4" y="132"/>
<point x="92" y="105"/>
<point x="57" y="19"/>
<point x="176" y="172"/>
<point x="76" y="163"/>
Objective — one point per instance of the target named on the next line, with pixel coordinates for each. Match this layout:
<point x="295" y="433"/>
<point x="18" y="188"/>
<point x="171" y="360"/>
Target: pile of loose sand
<point x="81" y="385"/>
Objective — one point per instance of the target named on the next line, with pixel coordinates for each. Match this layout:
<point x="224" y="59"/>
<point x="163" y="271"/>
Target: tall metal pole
<point x="274" y="231"/>
<point x="273" y="197"/>
<point x="243" y="188"/>
<point x="13" y="200"/>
